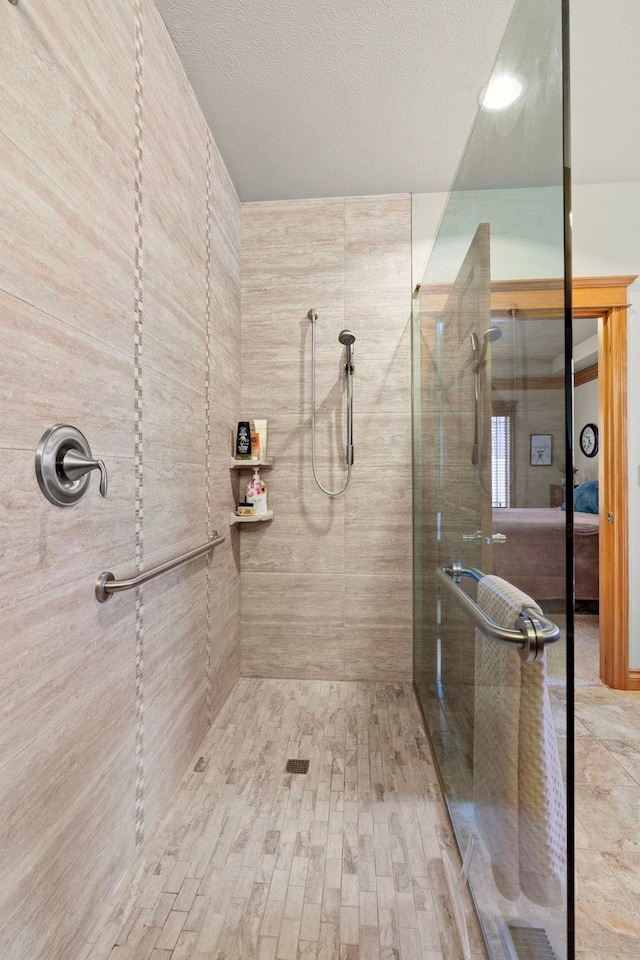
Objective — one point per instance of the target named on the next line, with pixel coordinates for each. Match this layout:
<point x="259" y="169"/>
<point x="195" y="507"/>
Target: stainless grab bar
<point x="107" y="584"/>
<point x="534" y="630"/>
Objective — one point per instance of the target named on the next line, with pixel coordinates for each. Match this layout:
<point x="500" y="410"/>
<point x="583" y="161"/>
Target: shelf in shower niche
<point x="261" y="518"/>
<point x="249" y="464"/>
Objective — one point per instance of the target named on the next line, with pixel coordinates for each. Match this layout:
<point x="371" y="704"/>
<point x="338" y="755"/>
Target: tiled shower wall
<point x="326" y="586"/>
<point x="119" y="313"/>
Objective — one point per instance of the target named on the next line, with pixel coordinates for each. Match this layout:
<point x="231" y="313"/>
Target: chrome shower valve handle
<point x="64" y="465"/>
<point x="75" y="465"/>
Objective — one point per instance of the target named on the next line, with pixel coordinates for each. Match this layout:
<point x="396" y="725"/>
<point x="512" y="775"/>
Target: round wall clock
<point x="589" y="440"/>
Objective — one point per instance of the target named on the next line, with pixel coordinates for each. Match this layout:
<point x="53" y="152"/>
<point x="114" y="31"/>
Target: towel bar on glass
<point x="107" y="584"/>
<point x="534" y="631"/>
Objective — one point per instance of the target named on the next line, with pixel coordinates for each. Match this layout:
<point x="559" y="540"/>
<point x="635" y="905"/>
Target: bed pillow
<point x="585" y="497"/>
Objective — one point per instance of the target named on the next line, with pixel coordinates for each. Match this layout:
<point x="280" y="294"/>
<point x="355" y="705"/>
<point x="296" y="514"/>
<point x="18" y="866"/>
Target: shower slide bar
<point x="534" y="631"/>
<point x="107" y="584"/>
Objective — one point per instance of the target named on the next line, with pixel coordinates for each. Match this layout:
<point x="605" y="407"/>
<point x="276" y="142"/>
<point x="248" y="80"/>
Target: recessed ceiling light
<point x="501" y="91"/>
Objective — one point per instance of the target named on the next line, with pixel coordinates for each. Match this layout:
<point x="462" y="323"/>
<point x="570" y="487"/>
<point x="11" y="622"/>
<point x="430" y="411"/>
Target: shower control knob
<point x="64" y="465"/>
<point x="75" y="465"/>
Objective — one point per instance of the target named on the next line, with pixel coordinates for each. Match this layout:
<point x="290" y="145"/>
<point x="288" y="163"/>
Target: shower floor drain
<point x="531" y="943"/>
<point x="297" y="766"/>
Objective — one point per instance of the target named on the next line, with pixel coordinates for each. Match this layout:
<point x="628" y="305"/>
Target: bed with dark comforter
<point x="533" y="556"/>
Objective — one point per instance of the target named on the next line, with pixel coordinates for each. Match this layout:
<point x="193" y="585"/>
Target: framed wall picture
<point x="540" y="450"/>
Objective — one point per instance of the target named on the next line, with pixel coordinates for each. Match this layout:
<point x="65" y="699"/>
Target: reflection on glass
<point x="489" y="475"/>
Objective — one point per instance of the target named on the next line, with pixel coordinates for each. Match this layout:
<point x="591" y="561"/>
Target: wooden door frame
<point x="605" y="298"/>
<point x="608" y="298"/>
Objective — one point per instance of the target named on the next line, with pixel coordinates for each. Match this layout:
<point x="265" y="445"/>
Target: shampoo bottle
<point x="243" y="441"/>
<point x="257" y="493"/>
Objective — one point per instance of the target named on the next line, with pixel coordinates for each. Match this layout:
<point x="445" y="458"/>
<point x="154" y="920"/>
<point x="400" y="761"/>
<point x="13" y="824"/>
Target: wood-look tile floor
<point x="343" y="863"/>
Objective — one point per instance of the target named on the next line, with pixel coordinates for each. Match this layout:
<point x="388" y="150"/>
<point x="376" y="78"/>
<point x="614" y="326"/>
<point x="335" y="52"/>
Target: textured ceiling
<point x="338" y="97"/>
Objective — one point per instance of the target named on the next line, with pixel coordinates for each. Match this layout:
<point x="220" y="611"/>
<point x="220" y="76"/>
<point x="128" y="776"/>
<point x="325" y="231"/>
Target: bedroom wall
<point x="538" y="412"/>
<point x="89" y="226"/>
<point x="585" y="410"/>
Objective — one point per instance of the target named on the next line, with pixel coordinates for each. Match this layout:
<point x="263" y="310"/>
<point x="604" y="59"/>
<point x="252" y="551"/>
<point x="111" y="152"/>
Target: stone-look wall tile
<point x="280" y="342"/>
<point x="225" y="662"/>
<point x="175" y="495"/>
<point x="175" y="680"/>
<point x="173" y="615"/>
<point x="225" y="588"/>
<point x="378" y="520"/>
<point x="55" y="930"/>
<point x="74" y="644"/>
<point x="179" y="660"/>
<point x="226" y="211"/>
<point x="49" y="796"/>
<point x="299" y="224"/>
<point x="377" y="653"/>
<point x="174" y="171"/>
<point x="378" y="626"/>
<point x="282" y="279"/>
<point x="225" y="227"/>
<point x="378" y="601"/>
<point x="67" y="244"/>
<point x="174" y="505"/>
<point x="57" y="383"/>
<point x="225" y="376"/>
<point x="295" y="650"/>
<point x="78" y="129"/>
<point x="175" y="340"/>
<point x="84" y="882"/>
<point x="43" y="546"/>
<point x="225" y="289"/>
<point x="280" y="598"/>
<point x="377" y="219"/>
<point x="174" y="734"/>
<point x="309" y="534"/>
<point x="383" y="438"/>
<point x="45" y="235"/>
<point x="173" y="416"/>
<point x="377" y="275"/>
<point x="169" y="758"/>
<point x="384" y="378"/>
<point x="349" y="259"/>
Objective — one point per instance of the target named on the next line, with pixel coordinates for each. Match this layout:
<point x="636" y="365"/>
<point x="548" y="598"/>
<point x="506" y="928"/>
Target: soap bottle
<point x="257" y="493"/>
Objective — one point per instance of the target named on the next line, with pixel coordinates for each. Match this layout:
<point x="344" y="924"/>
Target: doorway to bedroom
<point x="601" y="482"/>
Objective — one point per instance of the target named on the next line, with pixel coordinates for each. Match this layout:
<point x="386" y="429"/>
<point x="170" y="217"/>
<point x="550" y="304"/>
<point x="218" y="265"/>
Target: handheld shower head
<point x="489" y="336"/>
<point x="347" y="339"/>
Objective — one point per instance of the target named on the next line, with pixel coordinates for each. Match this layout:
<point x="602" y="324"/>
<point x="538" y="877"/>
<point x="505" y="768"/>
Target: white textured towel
<point x="519" y="796"/>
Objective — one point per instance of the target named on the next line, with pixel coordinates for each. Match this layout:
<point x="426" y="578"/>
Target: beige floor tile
<point x="254" y="862"/>
<point x="605" y="919"/>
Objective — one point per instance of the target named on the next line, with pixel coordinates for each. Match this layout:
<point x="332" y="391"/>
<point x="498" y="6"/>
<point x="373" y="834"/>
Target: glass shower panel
<point x="493" y="498"/>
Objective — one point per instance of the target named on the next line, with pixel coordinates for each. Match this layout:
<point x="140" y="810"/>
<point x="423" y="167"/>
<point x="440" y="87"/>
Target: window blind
<point x="500" y="461"/>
